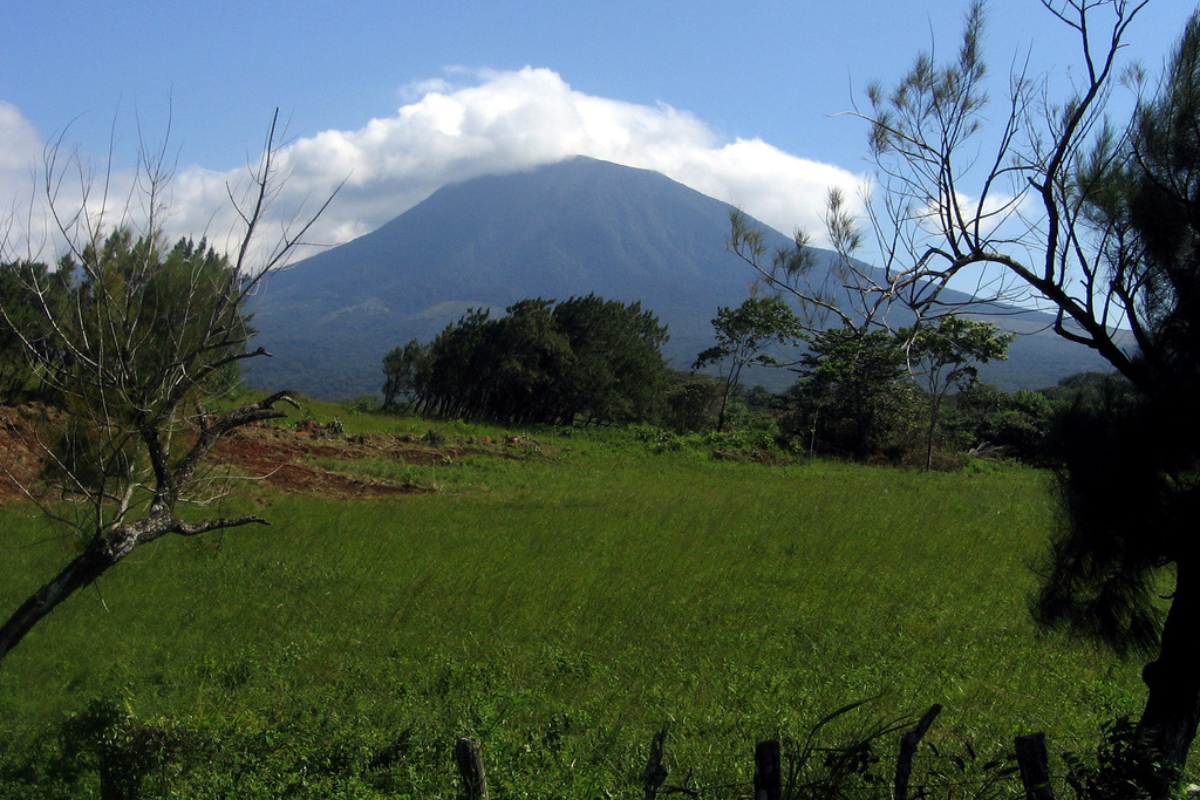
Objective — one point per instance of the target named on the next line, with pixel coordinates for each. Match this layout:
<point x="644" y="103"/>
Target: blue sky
<point x="736" y="99"/>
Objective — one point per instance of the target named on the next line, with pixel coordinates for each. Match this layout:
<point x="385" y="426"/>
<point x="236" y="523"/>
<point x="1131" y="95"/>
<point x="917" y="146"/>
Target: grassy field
<point x="561" y="606"/>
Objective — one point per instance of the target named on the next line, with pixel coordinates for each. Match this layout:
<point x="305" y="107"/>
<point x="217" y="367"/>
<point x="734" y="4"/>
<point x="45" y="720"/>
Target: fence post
<point x="908" y="748"/>
<point x="1035" y="766"/>
<point x="656" y="771"/>
<point x="768" y="777"/>
<point x="469" y="756"/>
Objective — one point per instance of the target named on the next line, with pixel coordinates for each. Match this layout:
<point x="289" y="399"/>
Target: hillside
<point x="577" y="227"/>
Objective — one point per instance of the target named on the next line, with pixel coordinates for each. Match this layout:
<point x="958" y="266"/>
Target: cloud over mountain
<point x="470" y="124"/>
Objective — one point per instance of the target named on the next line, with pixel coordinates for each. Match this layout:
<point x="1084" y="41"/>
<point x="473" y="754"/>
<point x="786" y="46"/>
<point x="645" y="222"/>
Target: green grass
<point x="562" y="608"/>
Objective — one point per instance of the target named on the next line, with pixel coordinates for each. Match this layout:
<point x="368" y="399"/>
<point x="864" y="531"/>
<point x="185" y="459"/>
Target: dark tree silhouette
<point x="585" y="360"/>
<point x="1044" y="199"/>
<point x="1131" y="486"/>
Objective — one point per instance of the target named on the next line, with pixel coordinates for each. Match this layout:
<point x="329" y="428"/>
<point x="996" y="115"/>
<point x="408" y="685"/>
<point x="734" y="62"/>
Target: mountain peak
<point x="575" y="227"/>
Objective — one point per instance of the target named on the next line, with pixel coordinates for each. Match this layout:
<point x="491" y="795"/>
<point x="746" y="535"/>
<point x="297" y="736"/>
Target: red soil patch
<point x="272" y="456"/>
<point x="18" y="461"/>
<point x="282" y="459"/>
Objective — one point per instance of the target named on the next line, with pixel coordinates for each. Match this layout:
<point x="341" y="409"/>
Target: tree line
<point x="912" y="397"/>
<point x="584" y="359"/>
<point x="861" y="390"/>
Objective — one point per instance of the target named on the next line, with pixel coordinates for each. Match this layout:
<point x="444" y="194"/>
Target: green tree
<point x="24" y="332"/>
<point x="944" y="358"/>
<point x="1087" y="388"/>
<point x="618" y="373"/>
<point x="446" y="379"/>
<point x="145" y="337"/>
<point x="528" y="357"/>
<point x="854" y="396"/>
<point x="692" y="402"/>
<point x="1015" y="424"/>
<point x="401" y="366"/>
<point x="1047" y="199"/>
<point x="586" y="359"/>
<point x="742" y="333"/>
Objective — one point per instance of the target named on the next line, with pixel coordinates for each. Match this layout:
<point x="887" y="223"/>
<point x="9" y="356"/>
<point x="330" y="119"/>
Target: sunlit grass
<point x="564" y="607"/>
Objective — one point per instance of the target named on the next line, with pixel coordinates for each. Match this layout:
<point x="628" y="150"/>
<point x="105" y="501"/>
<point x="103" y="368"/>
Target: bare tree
<point x="949" y="203"/>
<point x="142" y="335"/>
<point x="1040" y="200"/>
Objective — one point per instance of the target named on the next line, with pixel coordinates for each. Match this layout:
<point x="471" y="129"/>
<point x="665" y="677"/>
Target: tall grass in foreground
<point x="562" y="610"/>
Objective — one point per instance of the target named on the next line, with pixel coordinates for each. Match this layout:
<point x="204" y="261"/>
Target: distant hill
<point x="576" y="227"/>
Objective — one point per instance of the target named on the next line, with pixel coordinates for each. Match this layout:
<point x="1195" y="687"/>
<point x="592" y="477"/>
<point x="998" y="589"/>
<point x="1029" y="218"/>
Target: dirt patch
<point x="282" y="459"/>
<point x="272" y="456"/>
<point x="20" y="459"/>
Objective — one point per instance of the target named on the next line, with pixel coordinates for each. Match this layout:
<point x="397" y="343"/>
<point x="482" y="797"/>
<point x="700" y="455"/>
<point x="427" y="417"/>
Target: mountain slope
<point x="569" y="229"/>
<point x="572" y="228"/>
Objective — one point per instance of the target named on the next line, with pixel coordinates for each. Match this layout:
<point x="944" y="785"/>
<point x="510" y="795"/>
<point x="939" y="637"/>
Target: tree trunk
<point x="1172" y="709"/>
<point x="934" y="410"/>
<point x="80" y="572"/>
<point x="730" y="384"/>
<point x="1034" y="764"/>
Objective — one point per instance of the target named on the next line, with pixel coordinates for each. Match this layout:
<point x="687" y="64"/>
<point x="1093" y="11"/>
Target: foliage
<point x="1121" y="768"/>
<point x="400" y="369"/>
<point x="947" y="353"/>
<point x="945" y="357"/>
<point x="693" y="402"/>
<point x="1009" y="425"/>
<point x="853" y="398"/>
<point x="561" y="609"/>
<point x="817" y="769"/>
<point x="1088" y="389"/>
<point x="742" y="333"/>
<point x="1097" y="579"/>
<point x="617" y="372"/>
<point x="27" y="337"/>
<point x="585" y="359"/>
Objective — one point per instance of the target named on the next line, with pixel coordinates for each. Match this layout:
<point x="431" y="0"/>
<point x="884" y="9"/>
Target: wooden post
<point x="1035" y="766"/>
<point x="469" y="756"/>
<point x="656" y="770"/>
<point x="908" y="748"/>
<point x="768" y="776"/>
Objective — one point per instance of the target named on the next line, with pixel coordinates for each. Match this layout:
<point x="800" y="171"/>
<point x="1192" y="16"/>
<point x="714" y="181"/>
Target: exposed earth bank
<point x="274" y="456"/>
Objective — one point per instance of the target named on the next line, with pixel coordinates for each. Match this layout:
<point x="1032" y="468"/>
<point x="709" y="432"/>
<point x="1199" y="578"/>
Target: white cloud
<point x="22" y="145"/>
<point x="20" y="155"/>
<point x="28" y="228"/>
<point x="502" y="122"/>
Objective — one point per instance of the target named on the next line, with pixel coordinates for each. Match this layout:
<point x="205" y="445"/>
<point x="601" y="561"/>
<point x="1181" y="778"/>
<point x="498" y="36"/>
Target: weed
<point x="1122" y="768"/>
<point x="435" y="438"/>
